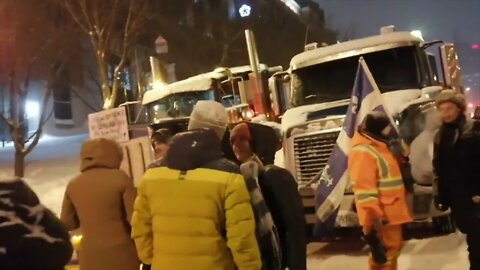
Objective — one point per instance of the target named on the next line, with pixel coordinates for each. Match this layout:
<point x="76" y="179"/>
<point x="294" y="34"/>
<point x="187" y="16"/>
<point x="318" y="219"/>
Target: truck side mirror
<point x="451" y="67"/>
<point x="274" y="96"/>
<point x="275" y="87"/>
<point x="432" y="62"/>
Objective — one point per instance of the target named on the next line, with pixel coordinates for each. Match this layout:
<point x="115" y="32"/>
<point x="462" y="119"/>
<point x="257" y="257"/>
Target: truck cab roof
<point x="201" y="82"/>
<point x="354" y="47"/>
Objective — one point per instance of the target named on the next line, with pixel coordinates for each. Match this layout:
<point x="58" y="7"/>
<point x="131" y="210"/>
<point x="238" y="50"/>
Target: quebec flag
<point x="366" y="97"/>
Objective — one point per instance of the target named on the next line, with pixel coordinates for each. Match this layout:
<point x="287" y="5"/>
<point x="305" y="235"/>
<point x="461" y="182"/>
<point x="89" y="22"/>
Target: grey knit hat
<point x="209" y="114"/>
<point x="451" y="96"/>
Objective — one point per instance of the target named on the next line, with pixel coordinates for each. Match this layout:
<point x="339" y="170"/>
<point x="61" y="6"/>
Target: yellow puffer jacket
<point x="193" y="212"/>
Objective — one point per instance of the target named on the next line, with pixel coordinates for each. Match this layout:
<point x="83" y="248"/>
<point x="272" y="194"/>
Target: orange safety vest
<point x="377" y="182"/>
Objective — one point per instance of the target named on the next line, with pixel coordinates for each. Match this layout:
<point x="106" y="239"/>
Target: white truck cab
<point x="320" y="82"/>
<point x="230" y="86"/>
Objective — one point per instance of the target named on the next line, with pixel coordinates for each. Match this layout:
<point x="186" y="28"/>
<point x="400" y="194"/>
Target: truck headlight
<point x="248" y="113"/>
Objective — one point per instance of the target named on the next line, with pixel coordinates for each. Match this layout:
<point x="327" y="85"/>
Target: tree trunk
<point x="104" y="80"/>
<point x="116" y="86"/>
<point x="19" y="164"/>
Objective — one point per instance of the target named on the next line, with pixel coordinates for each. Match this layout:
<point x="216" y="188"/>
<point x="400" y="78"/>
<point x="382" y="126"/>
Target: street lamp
<point x="32" y="109"/>
<point x="245" y="10"/>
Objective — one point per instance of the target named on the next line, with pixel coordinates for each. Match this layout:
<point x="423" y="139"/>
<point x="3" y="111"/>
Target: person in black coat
<point x="31" y="236"/>
<point x="456" y="163"/>
<point x="258" y="143"/>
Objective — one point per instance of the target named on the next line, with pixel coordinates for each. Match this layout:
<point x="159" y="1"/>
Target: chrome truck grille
<point x="311" y="153"/>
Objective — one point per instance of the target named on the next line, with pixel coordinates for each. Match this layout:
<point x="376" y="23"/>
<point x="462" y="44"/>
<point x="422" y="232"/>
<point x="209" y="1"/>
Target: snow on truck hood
<point x="298" y="116"/>
<point x="395" y="101"/>
<point x="202" y="82"/>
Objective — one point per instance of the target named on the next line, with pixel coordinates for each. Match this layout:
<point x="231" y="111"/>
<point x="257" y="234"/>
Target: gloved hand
<point x="379" y="252"/>
<point x="378" y="224"/>
<point x="439" y="204"/>
<point x="476" y="199"/>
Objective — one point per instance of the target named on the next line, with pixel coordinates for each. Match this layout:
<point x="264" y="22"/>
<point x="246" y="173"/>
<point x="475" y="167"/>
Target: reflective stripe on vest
<point x="387" y="182"/>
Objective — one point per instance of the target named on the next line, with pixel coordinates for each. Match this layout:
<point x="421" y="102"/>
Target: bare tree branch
<point x="110" y="22"/>
<point x="84" y="101"/>
<point x="44" y="122"/>
<point x="68" y="6"/>
<point x="14" y="92"/>
<point x="105" y="27"/>
<point x="40" y="123"/>
<point x="43" y="114"/>
<point x="7" y="122"/>
<point x="83" y="9"/>
<point x="94" y="78"/>
<point x="127" y="33"/>
<point x="226" y="47"/>
<point x="96" y="19"/>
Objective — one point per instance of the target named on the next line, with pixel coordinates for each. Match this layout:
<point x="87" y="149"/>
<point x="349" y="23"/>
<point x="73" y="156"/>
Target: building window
<point x="62" y="103"/>
<point x="232" y="11"/>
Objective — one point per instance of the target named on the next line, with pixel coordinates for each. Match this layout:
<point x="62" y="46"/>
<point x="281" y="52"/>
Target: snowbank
<point x="50" y="166"/>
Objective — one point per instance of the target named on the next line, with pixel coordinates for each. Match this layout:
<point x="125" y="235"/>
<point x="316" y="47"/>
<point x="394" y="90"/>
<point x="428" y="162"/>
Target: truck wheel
<point x="443" y="224"/>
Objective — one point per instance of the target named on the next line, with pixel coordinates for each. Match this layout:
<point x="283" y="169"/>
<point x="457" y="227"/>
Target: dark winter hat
<point x="240" y="132"/>
<point x="162" y="135"/>
<point x="375" y="122"/>
<point x="262" y="139"/>
<point x="451" y="96"/>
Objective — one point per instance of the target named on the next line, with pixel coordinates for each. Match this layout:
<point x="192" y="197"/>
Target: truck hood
<point x="395" y="101"/>
<point x="299" y="115"/>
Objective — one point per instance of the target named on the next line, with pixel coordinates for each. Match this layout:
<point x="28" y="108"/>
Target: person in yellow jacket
<point x="193" y="211"/>
<point x="380" y="195"/>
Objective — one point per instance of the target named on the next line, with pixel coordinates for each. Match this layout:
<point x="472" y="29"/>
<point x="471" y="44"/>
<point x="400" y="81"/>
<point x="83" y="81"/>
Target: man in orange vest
<point x="380" y="195"/>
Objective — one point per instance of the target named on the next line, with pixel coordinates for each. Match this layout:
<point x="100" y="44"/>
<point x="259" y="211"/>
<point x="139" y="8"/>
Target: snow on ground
<point x="436" y="253"/>
<point x="50" y="166"/>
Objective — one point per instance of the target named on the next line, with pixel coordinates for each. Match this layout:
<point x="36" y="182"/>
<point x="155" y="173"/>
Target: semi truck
<point x="243" y="90"/>
<point x="409" y="73"/>
<point x="171" y="105"/>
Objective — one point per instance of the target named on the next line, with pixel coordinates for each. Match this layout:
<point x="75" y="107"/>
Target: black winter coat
<point x="280" y="191"/>
<point x="31" y="236"/>
<point x="281" y="195"/>
<point x="457" y="166"/>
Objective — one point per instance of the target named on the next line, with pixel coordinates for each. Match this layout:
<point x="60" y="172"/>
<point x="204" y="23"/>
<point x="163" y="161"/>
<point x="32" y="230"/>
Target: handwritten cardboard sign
<point x="111" y="124"/>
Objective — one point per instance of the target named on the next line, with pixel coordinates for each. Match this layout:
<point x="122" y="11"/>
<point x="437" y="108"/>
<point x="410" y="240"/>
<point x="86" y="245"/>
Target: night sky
<point x="456" y="21"/>
<point x="451" y="20"/>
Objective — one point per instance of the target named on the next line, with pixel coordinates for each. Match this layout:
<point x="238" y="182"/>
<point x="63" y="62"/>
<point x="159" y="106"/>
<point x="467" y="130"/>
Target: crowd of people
<point x="197" y="209"/>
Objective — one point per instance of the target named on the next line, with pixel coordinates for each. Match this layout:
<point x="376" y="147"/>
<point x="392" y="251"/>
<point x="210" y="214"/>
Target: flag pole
<point x="369" y="75"/>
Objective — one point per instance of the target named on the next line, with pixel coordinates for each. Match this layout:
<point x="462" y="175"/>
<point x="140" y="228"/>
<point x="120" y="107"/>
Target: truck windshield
<point x="392" y="69"/>
<point x="176" y="105"/>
